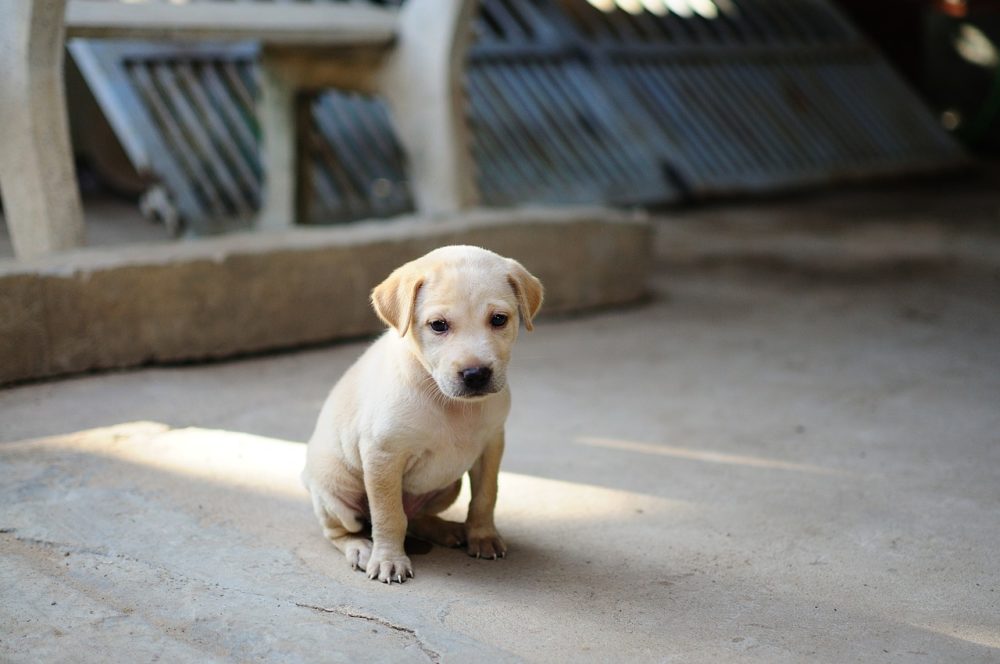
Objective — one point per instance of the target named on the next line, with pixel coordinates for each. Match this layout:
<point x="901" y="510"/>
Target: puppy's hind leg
<point x="342" y="532"/>
<point x="356" y="549"/>
<point x="427" y="526"/>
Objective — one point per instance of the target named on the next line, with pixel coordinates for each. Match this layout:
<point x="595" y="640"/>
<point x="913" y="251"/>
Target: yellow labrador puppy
<point x="425" y="404"/>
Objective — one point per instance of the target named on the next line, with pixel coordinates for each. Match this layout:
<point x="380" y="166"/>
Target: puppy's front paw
<point x="485" y="543"/>
<point x="388" y="567"/>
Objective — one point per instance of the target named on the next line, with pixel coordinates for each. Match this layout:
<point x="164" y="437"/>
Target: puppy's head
<point x="459" y="308"/>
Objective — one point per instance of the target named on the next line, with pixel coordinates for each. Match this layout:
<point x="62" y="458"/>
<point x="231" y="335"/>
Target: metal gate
<point x="186" y="116"/>
<point x="648" y="100"/>
<point x="618" y="102"/>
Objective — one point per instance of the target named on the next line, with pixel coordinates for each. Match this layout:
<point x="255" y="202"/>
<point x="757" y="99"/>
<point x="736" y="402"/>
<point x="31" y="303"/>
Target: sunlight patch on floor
<point x="265" y="465"/>
<point x="272" y="466"/>
<point x="532" y="499"/>
<point x="981" y="635"/>
<point x="704" y="455"/>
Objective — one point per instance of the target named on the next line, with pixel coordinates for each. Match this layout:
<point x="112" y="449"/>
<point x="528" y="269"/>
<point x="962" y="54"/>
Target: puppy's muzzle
<point x="476" y="379"/>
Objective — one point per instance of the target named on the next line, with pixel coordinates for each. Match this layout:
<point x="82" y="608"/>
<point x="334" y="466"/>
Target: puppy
<point x="425" y="404"/>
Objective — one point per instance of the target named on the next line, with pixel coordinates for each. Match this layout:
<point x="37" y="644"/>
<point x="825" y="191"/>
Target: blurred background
<point x="647" y="103"/>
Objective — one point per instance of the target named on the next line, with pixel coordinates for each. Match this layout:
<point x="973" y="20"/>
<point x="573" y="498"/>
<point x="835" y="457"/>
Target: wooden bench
<point x="413" y="57"/>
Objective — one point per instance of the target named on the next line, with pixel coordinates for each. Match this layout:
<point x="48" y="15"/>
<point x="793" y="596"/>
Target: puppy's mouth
<point x="465" y="394"/>
<point x="462" y="392"/>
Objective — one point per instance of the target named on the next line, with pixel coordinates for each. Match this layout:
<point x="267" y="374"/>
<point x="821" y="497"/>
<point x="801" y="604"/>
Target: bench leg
<point x="422" y="82"/>
<point x="37" y="178"/>
<point x="276" y="113"/>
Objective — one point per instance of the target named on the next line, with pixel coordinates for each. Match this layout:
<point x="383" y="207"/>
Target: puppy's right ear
<point x="395" y="298"/>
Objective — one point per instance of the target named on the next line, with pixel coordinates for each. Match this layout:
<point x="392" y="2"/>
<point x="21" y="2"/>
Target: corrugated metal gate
<point x="186" y="115"/>
<point x="567" y="104"/>
<point x="701" y="97"/>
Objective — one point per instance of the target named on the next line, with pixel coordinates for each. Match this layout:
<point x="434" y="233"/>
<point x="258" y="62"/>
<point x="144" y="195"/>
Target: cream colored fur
<point x="401" y="427"/>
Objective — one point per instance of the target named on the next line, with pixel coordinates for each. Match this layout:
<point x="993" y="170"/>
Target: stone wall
<point x="218" y="297"/>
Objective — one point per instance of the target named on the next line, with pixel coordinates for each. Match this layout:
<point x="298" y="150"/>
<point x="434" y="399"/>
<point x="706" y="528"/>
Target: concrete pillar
<point x="422" y="81"/>
<point x="37" y="178"/>
<point x="276" y="113"/>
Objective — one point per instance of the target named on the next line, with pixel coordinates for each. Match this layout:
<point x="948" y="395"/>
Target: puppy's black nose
<point x="476" y="378"/>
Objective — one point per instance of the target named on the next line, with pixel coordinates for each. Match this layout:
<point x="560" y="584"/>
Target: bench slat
<point x="271" y="23"/>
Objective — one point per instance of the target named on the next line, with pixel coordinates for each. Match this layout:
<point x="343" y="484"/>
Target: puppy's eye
<point x="439" y="326"/>
<point x="498" y="320"/>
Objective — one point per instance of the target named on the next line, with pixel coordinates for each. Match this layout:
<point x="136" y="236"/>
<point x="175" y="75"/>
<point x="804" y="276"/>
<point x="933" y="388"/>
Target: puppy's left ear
<point x="528" y="290"/>
<point x="395" y="298"/>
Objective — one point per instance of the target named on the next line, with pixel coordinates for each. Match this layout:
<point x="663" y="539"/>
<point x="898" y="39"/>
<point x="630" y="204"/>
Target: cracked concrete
<point x="779" y="458"/>
<point x="342" y="611"/>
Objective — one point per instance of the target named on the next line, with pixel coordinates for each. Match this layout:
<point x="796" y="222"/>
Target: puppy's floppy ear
<point x="528" y="290"/>
<point x="395" y="298"/>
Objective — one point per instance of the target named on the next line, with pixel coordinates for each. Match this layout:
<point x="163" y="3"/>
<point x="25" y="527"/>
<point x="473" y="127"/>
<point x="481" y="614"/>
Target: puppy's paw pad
<point x="486" y="544"/>
<point x="390" y="568"/>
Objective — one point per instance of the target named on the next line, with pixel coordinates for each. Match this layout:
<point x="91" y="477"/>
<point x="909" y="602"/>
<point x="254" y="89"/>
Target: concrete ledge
<point x="100" y="309"/>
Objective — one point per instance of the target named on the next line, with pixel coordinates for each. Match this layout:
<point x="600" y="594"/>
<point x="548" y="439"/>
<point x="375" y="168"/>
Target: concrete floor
<point x="791" y="453"/>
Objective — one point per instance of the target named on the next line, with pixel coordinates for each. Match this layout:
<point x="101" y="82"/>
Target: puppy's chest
<point x="442" y="456"/>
